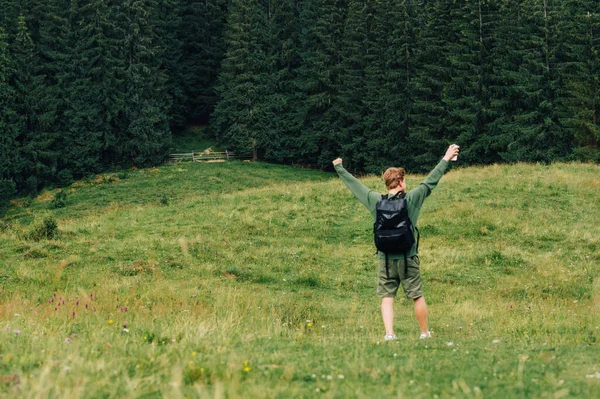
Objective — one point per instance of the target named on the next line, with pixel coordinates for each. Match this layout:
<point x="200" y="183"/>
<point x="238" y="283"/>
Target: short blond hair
<point x="393" y="177"/>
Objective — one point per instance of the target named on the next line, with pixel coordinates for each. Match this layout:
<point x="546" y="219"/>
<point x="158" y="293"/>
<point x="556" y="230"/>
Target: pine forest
<point x="90" y="85"/>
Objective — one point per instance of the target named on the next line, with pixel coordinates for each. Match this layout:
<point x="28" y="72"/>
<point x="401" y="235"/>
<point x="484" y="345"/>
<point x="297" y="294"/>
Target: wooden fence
<point x="206" y="156"/>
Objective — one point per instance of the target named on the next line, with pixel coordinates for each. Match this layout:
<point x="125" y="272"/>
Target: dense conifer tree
<point x="581" y="69"/>
<point x="541" y="136"/>
<point x="235" y="117"/>
<point x="430" y="112"/>
<point x="202" y="30"/>
<point x="10" y="121"/>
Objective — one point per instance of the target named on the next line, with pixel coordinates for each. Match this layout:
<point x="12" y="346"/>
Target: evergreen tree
<point x="39" y="99"/>
<point x="168" y="25"/>
<point x="274" y="108"/>
<point x="430" y="113"/>
<point x="466" y="96"/>
<point x="317" y="79"/>
<point x="81" y="123"/>
<point x="237" y="115"/>
<point x="202" y="32"/>
<point x="540" y="136"/>
<point x="147" y="137"/>
<point x="582" y="74"/>
<point x="389" y="80"/>
<point x="10" y="121"/>
<point x="347" y="112"/>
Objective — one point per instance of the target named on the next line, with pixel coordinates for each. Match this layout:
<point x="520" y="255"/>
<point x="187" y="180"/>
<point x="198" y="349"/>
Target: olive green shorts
<point x="411" y="284"/>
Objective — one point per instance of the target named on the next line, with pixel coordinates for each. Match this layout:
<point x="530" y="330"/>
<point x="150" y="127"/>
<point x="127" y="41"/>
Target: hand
<point x="451" y="152"/>
<point x="337" y="161"/>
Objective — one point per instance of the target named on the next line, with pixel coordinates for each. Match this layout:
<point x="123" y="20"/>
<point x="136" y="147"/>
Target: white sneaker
<point x="423" y="335"/>
<point x="390" y="337"/>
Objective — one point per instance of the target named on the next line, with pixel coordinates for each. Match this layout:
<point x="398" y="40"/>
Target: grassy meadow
<point x="244" y="279"/>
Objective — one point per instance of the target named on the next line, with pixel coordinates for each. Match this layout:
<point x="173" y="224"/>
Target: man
<point x="409" y="274"/>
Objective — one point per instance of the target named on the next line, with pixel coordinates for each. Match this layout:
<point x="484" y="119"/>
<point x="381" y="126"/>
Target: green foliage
<point x="8" y="189"/>
<point x="43" y="227"/>
<point x="59" y="200"/>
<point x="64" y="178"/>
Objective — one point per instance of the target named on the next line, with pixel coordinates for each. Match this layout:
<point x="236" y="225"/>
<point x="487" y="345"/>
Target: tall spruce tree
<point x="389" y="77"/>
<point x="233" y="119"/>
<point x="317" y="80"/>
<point x="202" y="34"/>
<point x="145" y="136"/>
<point x="39" y="90"/>
<point x="167" y="15"/>
<point x="430" y="112"/>
<point x="581" y="70"/>
<point x="81" y="123"/>
<point x="277" y="38"/>
<point x="466" y="95"/>
<point x="347" y="112"/>
<point x="540" y="137"/>
<point x="10" y="122"/>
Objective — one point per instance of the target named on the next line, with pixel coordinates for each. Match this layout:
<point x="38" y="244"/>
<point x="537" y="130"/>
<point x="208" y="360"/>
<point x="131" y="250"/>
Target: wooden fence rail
<point x="206" y="156"/>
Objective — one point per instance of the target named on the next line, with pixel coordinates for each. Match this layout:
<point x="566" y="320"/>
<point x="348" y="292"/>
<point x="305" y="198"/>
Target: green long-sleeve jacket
<point x="414" y="197"/>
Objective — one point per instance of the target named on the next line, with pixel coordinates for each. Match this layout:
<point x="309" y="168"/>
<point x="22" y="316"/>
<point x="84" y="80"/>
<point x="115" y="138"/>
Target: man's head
<point x="394" y="179"/>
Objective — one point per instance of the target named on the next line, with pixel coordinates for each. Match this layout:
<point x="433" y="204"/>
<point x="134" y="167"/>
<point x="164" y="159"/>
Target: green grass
<point x="255" y="280"/>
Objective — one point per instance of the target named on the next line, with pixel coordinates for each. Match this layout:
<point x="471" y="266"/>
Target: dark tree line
<point x="383" y="82"/>
<point x="90" y="84"/>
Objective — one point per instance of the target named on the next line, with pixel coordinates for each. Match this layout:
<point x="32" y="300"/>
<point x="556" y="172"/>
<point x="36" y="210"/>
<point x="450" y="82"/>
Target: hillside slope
<point x="248" y="279"/>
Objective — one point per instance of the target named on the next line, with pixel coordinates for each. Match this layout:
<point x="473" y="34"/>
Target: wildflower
<point x="317" y="390"/>
<point x="7" y="329"/>
<point x="77" y="303"/>
<point x="17" y="332"/>
<point x="126" y="330"/>
<point x="309" y="325"/>
<point x="73" y="335"/>
<point x="110" y="322"/>
<point x="450" y="343"/>
<point x="341" y="376"/>
<point x="17" y="315"/>
<point x="67" y="341"/>
<point x="193" y="353"/>
<point x="125" y="324"/>
<point x="247" y="369"/>
<point x="329" y="377"/>
<point x="496" y="341"/>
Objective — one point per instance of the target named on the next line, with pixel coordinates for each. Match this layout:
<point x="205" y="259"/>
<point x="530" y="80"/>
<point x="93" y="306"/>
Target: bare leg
<point x="421" y="313"/>
<point x="387" y="312"/>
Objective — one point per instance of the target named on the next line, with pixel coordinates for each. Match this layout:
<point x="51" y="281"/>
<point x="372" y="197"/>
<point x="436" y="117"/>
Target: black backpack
<point x="393" y="229"/>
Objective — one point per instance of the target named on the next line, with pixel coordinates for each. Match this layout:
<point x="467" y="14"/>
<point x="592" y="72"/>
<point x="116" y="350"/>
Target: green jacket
<point x="414" y="197"/>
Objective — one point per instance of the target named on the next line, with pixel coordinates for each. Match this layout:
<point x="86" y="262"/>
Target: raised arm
<point x="363" y="193"/>
<point x="418" y="194"/>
